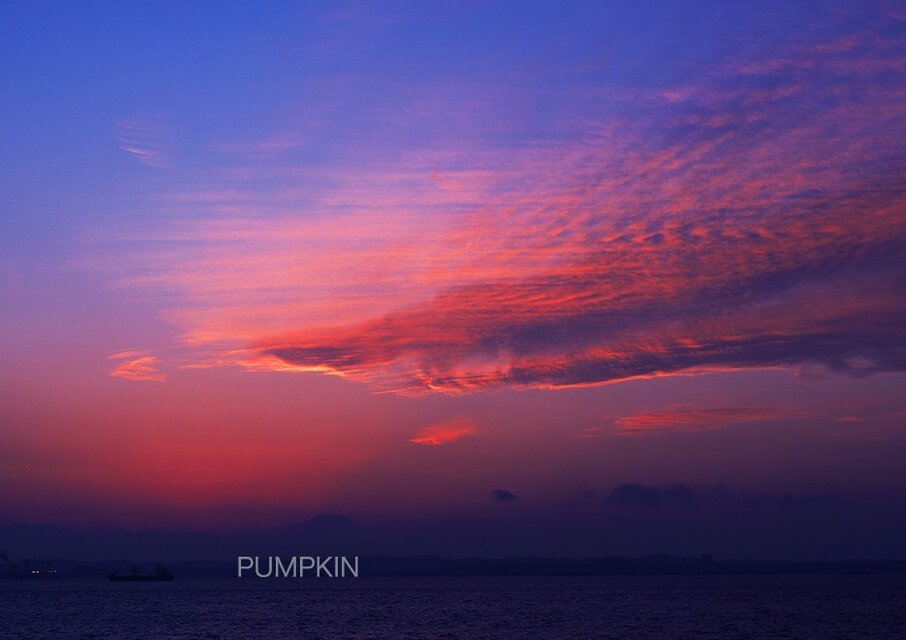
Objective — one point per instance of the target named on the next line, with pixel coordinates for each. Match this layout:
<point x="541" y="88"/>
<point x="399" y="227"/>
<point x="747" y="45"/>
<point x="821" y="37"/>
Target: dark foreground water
<point x="620" y="607"/>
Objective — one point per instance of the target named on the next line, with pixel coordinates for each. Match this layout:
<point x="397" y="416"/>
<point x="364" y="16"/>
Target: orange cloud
<point x="683" y="420"/>
<point x="138" y="366"/>
<point x="443" y="433"/>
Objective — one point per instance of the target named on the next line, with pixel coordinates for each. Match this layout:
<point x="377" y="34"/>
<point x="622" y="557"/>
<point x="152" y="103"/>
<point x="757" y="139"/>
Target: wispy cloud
<point x="590" y="433"/>
<point x="444" y="433"/>
<point x="144" y="137"/>
<point x="696" y="419"/>
<point x="137" y="365"/>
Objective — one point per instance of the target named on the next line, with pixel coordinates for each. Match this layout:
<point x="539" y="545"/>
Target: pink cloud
<point x="144" y="138"/>
<point x="444" y="433"/>
<point x="137" y="365"/>
<point x="686" y="420"/>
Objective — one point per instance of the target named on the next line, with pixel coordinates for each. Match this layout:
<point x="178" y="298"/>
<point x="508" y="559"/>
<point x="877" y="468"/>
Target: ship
<point x="161" y="574"/>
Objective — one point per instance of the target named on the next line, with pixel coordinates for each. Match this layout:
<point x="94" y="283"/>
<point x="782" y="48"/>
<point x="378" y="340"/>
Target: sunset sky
<point x="604" y="268"/>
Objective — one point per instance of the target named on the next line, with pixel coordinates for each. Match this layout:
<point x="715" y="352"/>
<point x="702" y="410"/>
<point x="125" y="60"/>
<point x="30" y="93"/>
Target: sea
<point x="820" y="607"/>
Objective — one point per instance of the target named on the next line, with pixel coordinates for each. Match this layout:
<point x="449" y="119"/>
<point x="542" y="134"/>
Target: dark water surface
<point x="620" y="607"/>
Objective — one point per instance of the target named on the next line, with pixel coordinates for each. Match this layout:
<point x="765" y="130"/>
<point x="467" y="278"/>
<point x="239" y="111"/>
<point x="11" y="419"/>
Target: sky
<point x="559" y="276"/>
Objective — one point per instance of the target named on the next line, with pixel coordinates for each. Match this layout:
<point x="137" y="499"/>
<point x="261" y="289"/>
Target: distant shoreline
<point x="433" y="566"/>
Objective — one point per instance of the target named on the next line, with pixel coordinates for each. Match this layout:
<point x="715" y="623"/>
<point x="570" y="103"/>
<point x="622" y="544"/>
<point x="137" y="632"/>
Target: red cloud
<point x="696" y="419"/>
<point x="443" y="433"/>
<point x="138" y="366"/>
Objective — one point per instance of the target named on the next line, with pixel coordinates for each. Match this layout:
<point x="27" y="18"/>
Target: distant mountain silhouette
<point x="335" y="534"/>
<point x="327" y="533"/>
<point x="432" y="566"/>
<point x="330" y="520"/>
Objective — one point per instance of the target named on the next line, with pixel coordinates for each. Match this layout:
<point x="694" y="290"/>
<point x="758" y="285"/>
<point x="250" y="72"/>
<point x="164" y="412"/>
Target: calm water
<point x="620" y="607"/>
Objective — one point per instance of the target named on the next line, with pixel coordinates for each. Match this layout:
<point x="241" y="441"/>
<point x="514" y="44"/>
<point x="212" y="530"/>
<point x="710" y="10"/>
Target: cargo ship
<point x="161" y="574"/>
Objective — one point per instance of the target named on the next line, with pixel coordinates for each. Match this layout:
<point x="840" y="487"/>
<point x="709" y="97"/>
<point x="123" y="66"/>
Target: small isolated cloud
<point x="443" y="433"/>
<point x="144" y="138"/>
<point x="136" y="365"/>
<point x="850" y="420"/>
<point x="502" y="495"/>
<point x="684" y="420"/>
